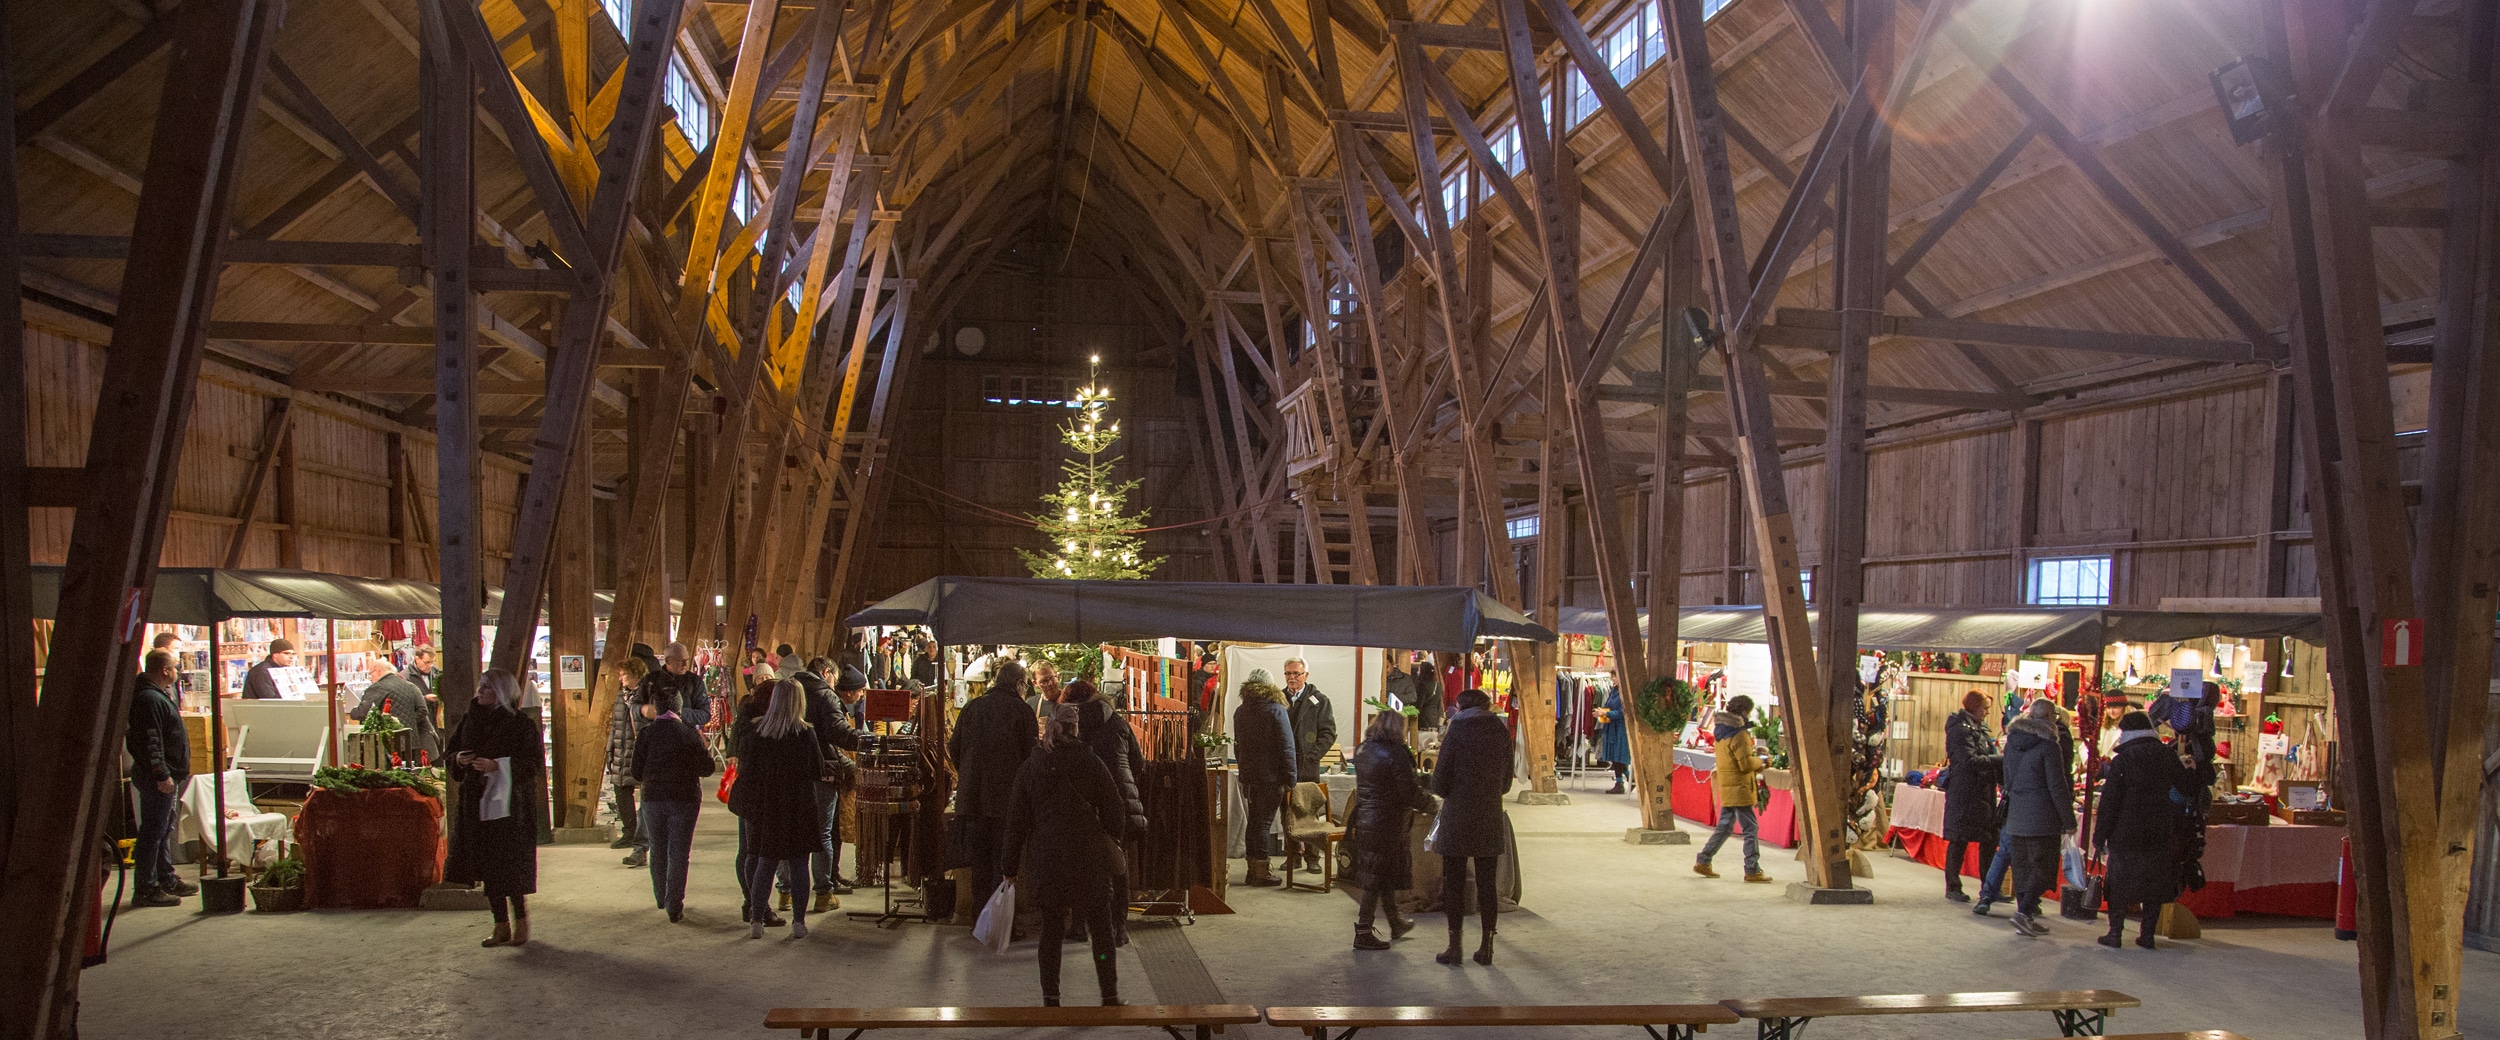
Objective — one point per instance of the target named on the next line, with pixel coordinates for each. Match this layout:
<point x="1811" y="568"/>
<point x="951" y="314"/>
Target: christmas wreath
<point x="1665" y="704"/>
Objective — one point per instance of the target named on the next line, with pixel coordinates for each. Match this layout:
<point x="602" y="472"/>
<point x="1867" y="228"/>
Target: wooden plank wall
<point x="342" y="469"/>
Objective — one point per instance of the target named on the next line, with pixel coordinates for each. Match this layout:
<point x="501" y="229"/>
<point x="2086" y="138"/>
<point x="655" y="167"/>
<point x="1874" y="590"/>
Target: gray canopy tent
<point x="208" y="595"/>
<point x="2079" y="631"/>
<point x="958" y="610"/>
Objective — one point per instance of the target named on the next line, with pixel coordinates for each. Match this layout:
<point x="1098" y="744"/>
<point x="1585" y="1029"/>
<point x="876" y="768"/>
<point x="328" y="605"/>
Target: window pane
<point x="2071" y="581"/>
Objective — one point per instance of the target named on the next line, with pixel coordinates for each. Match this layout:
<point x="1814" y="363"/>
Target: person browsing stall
<point x="261" y="683"/>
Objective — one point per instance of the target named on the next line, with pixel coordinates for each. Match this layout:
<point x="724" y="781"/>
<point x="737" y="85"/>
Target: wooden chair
<point x="1310" y="821"/>
<point x="1204" y="1020"/>
<point x="2078" y="1012"/>
<point x="1681" y="1021"/>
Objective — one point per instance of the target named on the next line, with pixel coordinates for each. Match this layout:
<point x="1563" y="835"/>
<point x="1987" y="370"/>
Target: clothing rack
<point x="1172" y="747"/>
<point x="889" y="790"/>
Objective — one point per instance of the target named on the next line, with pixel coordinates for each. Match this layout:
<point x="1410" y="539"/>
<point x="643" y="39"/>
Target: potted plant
<point x="279" y="887"/>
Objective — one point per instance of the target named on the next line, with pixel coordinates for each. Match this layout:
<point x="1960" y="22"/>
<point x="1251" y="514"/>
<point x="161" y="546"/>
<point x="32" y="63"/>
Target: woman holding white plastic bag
<point x="498" y="754"/>
<point x="1063" y="822"/>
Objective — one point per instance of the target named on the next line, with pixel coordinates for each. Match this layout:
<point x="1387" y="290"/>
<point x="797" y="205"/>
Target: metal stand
<point x="889" y="787"/>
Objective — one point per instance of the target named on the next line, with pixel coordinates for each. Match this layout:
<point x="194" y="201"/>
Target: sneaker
<point x="1757" y="878"/>
<point x="180" y="887"/>
<point x="1955" y="895"/>
<point x="638" y="858"/>
<point x="154" y="898"/>
<point x="1366" y="939"/>
<point x="622" y="842"/>
<point x="1704" y="870"/>
<point x="1399" y="926"/>
<point x="1979" y="909"/>
<point x="2028" y="927"/>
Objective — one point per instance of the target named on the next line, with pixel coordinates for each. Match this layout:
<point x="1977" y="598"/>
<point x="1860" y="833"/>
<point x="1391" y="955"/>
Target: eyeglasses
<point x="1295" y="675"/>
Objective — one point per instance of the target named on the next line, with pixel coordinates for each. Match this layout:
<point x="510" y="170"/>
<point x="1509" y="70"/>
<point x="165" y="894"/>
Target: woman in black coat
<point x="1064" y="823"/>
<point x="1263" y="752"/>
<point x="1471" y="777"/>
<point x="1111" y="740"/>
<point x="1386" y="796"/>
<point x="496" y="737"/>
<point x="776" y="797"/>
<point x="2137" y="827"/>
<point x="1972" y="764"/>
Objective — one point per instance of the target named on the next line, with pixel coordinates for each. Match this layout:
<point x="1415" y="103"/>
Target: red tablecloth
<point x="1689" y="793"/>
<point x="1918" y="827"/>
<point x="2280" y="869"/>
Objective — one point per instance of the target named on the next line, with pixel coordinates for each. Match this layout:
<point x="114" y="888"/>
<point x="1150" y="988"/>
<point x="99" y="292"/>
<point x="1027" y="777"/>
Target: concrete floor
<point x="1604" y="922"/>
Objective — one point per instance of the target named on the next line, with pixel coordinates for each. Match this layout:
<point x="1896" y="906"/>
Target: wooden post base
<point x="1544" y="798"/>
<point x="1800" y="892"/>
<point x="1645" y="836"/>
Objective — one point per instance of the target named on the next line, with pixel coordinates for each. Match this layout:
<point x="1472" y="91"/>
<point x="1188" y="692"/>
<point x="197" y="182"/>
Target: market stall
<point x="1267" y="621"/>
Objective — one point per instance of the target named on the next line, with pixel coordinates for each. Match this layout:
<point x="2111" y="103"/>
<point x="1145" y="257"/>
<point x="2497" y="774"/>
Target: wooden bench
<point x="2078" y="1012"/>
<point x="2193" y="1034"/>
<point x="1205" y="1020"/>
<point x="1680" y="1021"/>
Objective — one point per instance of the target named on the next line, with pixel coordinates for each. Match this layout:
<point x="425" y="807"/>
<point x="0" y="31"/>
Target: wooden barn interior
<point x="756" y="312"/>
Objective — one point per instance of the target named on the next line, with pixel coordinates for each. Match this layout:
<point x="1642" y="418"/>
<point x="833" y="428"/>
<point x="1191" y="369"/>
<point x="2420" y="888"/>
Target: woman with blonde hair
<point x="498" y="751"/>
<point x="776" y="796"/>
<point x="1064" y="822"/>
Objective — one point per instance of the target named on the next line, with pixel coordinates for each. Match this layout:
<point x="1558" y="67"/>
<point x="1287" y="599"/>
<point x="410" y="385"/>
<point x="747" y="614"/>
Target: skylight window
<point x="694" y="112"/>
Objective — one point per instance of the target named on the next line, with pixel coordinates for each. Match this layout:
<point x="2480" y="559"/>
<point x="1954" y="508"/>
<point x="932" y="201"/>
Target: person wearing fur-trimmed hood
<point x="1263" y="756"/>
<point x="1733" y="779"/>
<point x="2039" y="807"/>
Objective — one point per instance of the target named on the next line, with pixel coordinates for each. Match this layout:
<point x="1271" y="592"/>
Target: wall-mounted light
<point x="720" y="601"/>
<point x="2251" y="93"/>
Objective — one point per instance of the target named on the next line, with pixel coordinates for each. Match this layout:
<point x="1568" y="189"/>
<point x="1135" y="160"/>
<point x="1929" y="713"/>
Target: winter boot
<point x="1259" y="876"/>
<point x="520" y="931"/>
<point x="502" y="936"/>
<point x="1366" y="939"/>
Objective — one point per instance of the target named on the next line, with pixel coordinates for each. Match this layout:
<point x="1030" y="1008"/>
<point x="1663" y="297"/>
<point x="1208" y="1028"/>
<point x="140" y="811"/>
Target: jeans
<point x="1733" y="818"/>
<point x="1257" y="831"/>
<point x="627" y="820"/>
<point x="825" y="861"/>
<point x="152" y="855"/>
<point x="1097" y="929"/>
<point x="1992" y="852"/>
<point x="670" y="826"/>
<point x="1993" y="880"/>
<point x="759" y="885"/>
<point x="1454" y="891"/>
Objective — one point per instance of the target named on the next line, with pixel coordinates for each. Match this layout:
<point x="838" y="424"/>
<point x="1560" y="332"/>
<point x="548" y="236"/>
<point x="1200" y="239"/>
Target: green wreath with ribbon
<point x="1666" y="704"/>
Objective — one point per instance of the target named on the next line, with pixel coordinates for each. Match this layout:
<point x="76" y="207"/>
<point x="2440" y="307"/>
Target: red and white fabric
<point x="2279" y="869"/>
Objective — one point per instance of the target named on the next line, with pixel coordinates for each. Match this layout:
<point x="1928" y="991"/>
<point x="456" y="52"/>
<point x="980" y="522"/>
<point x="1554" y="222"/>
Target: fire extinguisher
<point x="2347" y="919"/>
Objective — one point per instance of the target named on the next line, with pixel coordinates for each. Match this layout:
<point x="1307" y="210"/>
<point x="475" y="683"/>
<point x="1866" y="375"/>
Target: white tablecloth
<point x="1918" y="809"/>
<point x="249" y="824"/>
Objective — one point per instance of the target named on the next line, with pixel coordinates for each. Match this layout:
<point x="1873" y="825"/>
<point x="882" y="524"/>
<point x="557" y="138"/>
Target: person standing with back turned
<point x="2039" y="807"/>
<point x="1263" y="754"/>
<point x="1471" y="777"/>
<point x="992" y="737"/>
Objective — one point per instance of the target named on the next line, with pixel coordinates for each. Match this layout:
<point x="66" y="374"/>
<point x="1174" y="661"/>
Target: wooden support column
<point x="2025" y="511"/>
<point x="2409" y="736"/>
<point x="1862" y="274"/>
<point x="447" y="140"/>
<point x="212" y="79"/>
<point x="395" y="466"/>
<point x="572" y="365"/>
<point x="1653" y="753"/>
<point x="290" y="547"/>
<point x="1725" y="270"/>
<point x="19" y="720"/>
<point x="580" y="739"/>
<point x="1536" y="714"/>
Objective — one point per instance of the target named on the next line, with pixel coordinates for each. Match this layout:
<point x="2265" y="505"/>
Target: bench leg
<point x="2082" y="1021"/>
<point x="1675" y="1031"/>
<point x="1781" y="1028"/>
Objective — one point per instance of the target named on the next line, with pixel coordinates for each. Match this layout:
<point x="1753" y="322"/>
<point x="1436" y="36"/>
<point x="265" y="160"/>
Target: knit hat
<point x="851" y="679"/>
<point x="2133" y="723"/>
<point x="1259" y="675"/>
<point x="281" y="645"/>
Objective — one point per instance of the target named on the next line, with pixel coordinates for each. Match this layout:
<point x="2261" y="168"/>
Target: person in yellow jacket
<point x="1739" y="767"/>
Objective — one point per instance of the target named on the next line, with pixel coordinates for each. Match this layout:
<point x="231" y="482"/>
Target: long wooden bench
<point x="1680" y="1021"/>
<point x="2193" y="1034"/>
<point x="1205" y="1020"/>
<point x="2079" y="1012"/>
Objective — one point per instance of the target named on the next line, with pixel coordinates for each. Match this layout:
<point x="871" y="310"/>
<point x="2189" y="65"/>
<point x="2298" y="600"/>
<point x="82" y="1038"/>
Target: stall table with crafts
<point x="1694" y="798"/>
<point x="1918" y="827"/>
<point x="2280" y="868"/>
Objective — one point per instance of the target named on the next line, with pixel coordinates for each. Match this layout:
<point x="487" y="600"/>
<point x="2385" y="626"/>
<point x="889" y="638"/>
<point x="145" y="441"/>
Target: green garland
<point x="1661" y="712"/>
<point x="351" y="779"/>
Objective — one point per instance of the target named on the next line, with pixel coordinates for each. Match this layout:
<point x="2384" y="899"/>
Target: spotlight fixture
<point x="2251" y="92"/>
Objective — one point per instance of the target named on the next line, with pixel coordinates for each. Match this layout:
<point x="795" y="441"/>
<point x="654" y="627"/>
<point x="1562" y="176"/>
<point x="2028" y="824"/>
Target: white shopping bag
<point x="2076" y="875"/>
<point x="998" y="919"/>
<point x="496" y="802"/>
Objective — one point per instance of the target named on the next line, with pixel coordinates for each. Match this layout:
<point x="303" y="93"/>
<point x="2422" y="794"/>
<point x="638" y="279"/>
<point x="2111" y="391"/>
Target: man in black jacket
<point x="992" y="737"/>
<point x="1314" y="732"/>
<point x="678" y="678"/>
<point x="834" y="732"/>
<point x="261" y="684"/>
<point x="160" y="764"/>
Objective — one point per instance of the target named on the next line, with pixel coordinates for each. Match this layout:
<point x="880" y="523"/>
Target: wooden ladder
<point x="1339" y="532"/>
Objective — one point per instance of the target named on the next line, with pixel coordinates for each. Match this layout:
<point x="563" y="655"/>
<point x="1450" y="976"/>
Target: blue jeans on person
<point x="1992" y="880"/>
<point x="1732" y="818"/>
<point x="671" y="829"/>
<point x="824" y="863"/>
<point x="152" y="855"/>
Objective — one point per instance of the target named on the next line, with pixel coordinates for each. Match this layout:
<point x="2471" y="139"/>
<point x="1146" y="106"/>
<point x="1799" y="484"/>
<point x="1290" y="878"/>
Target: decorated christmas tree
<point x="1087" y="521"/>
